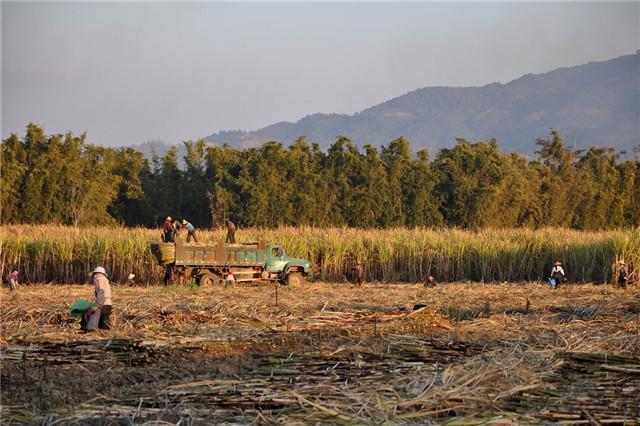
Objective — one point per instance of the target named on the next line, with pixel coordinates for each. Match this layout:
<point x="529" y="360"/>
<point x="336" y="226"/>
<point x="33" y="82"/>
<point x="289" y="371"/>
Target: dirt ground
<point x="325" y="353"/>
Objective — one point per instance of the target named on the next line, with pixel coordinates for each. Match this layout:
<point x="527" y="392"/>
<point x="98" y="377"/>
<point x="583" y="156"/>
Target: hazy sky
<point x="130" y="72"/>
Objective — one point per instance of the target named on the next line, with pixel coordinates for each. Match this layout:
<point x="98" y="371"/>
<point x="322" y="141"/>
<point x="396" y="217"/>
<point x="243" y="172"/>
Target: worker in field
<point x="167" y="231"/>
<point x="13" y="281"/>
<point x="191" y="230"/>
<point x="431" y="282"/>
<point x="231" y="232"/>
<point x="623" y="275"/>
<point x="358" y="272"/>
<point x="557" y="275"/>
<point x="103" y="300"/>
<point x="168" y="273"/>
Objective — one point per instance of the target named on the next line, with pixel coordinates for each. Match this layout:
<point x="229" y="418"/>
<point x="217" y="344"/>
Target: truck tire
<point x="208" y="279"/>
<point x="294" y="278"/>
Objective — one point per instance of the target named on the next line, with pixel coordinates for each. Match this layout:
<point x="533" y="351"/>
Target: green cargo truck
<point x="211" y="263"/>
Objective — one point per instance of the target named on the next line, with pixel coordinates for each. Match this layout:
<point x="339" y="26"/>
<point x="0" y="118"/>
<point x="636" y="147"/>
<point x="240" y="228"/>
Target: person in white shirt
<point x="557" y="274"/>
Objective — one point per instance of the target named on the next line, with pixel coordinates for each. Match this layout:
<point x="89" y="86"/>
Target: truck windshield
<point x="277" y="252"/>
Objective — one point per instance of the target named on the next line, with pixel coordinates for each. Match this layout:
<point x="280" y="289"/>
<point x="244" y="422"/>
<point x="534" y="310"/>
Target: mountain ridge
<point x="593" y="104"/>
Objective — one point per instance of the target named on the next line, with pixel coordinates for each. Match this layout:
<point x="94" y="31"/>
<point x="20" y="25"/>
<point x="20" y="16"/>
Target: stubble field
<point x="325" y="353"/>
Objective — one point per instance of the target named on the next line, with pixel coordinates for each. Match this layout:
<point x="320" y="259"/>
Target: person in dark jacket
<point x="167" y="231"/>
<point x="623" y="275"/>
<point x="168" y="274"/>
<point x="231" y="232"/>
<point x="191" y="230"/>
<point x="358" y="272"/>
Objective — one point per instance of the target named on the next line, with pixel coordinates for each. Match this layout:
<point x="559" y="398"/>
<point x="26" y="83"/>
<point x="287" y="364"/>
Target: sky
<point x="127" y="73"/>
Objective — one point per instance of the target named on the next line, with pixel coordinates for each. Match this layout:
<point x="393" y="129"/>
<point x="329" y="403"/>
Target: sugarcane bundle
<point x="165" y="253"/>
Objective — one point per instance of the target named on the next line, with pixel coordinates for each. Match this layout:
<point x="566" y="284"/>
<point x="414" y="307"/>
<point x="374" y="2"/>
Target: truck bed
<point x="212" y="254"/>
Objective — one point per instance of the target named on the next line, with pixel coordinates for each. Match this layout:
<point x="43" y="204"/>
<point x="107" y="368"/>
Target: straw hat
<point x="99" y="270"/>
<point x="168" y="218"/>
<point x="184" y="221"/>
<point x="558" y="263"/>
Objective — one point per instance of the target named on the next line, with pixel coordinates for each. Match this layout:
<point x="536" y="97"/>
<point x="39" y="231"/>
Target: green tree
<point x="559" y="185"/>
<point x="469" y="182"/>
<point x="342" y="161"/>
<point x="306" y="197"/>
<point x="13" y="167"/>
<point x="397" y="157"/>
<point x="195" y="203"/>
<point x="130" y="169"/>
<point x="422" y="204"/>
<point x="90" y="197"/>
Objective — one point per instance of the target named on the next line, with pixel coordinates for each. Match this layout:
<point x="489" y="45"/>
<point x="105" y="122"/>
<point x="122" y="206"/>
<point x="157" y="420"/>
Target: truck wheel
<point x="294" y="278"/>
<point x="208" y="279"/>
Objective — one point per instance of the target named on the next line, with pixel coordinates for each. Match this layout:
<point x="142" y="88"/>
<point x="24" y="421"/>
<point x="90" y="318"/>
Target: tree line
<point x="63" y="179"/>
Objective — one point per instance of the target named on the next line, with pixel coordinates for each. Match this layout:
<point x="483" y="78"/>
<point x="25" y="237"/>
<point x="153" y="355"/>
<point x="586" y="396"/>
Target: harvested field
<point x="474" y="354"/>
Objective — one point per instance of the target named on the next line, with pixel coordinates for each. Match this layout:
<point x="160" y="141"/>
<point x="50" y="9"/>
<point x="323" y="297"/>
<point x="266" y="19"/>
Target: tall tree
<point x="558" y="182"/>
<point x="396" y="157"/>
<point x="470" y="176"/>
<point x="422" y="203"/>
<point x="131" y="167"/>
<point x="195" y="203"/>
<point x="13" y="168"/>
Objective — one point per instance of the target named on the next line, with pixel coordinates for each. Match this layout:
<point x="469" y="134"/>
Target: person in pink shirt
<point x="103" y="297"/>
<point x="13" y="281"/>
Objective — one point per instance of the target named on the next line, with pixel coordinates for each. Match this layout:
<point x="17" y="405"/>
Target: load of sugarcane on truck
<point x="220" y="262"/>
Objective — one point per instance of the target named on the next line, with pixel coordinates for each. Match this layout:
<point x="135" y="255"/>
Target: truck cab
<point x="290" y="270"/>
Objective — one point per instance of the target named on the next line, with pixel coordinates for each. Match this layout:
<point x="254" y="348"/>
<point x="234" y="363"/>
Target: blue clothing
<point x="190" y="227"/>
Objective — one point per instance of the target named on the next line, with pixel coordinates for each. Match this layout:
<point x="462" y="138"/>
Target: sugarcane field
<point x="319" y="213"/>
<point x="394" y="348"/>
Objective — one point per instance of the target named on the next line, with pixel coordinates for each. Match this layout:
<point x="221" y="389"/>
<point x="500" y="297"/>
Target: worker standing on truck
<point x="167" y="232"/>
<point x="191" y="230"/>
<point x="231" y="232"/>
<point x="175" y="227"/>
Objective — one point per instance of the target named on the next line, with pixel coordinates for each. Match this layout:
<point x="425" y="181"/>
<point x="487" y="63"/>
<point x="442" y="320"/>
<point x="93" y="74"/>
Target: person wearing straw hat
<point x="103" y="298"/>
<point x="191" y="230"/>
<point x="623" y="275"/>
<point x="557" y="275"/>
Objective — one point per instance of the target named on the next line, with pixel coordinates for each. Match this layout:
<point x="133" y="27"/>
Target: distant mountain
<point x="592" y="104"/>
<point x="159" y="148"/>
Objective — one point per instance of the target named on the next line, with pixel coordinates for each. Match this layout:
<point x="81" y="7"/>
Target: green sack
<point x="80" y="307"/>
